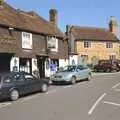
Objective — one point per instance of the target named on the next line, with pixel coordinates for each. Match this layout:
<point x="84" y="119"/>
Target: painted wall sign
<point x="52" y="43"/>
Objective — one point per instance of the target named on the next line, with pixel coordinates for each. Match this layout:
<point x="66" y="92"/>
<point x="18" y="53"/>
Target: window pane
<point x="7" y="79"/>
<point x="87" y="44"/>
<point x="109" y="45"/>
<point x="28" y="77"/>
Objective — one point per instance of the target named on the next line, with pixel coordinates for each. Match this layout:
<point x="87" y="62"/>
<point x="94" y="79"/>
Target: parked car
<point x="71" y="74"/>
<point x="107" y="67"/>
<point x="15" y="84"/>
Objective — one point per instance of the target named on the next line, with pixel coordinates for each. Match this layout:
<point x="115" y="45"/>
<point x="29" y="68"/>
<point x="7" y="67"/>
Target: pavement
<point x="98" y="99"/>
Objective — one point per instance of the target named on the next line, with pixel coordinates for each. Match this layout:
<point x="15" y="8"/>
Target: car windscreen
<point x="69" y="69"/>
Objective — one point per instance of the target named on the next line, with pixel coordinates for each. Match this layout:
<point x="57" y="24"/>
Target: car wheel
<point x="14" y="95"/>
<point x="73" y="80"/>
<point x="44" y="88"/>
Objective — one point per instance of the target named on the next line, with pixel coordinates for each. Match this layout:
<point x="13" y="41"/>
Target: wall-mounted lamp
<point x="10" y="28"/>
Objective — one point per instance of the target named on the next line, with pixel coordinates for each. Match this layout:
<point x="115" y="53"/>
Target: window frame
<point x="109" y="45"/>
<point x="87" y="44"/>
<point x="27" y="38"/>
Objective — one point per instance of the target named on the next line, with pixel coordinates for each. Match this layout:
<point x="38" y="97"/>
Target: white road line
<point x="68" y="86"/>
<point x="29" y="98"/>
<point x="115" y="86"/>
<point x="96" y="103"/>
<point x="52" y="91"/>
<point x="111" y="103"/>
<point x="4" y="105"/>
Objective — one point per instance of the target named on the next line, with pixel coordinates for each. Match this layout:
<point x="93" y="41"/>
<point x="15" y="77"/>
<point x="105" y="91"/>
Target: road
<point x="98" y="99"/>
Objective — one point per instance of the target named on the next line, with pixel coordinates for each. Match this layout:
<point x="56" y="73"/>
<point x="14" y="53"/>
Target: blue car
<point x="15" y="84"/>
<point x="72" y="74"/>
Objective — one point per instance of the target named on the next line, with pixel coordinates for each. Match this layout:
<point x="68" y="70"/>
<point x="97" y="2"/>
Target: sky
<point x="94" y="13"/>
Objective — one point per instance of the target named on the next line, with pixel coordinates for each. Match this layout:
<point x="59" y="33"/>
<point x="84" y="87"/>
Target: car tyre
<point x="44" y="87"/>
<point x="73" y="80"/>
<point x="14" y="95"/>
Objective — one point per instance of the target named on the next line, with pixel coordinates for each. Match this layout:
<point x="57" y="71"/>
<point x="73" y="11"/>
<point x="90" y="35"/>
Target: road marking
<point x="111" y="103"/>
<point x="2" y="105"/>
<point x="52" y="91"/>
<point x="115" y="86"/>
<point x="29" y="98"/>
<point x="117" y="90"/>
<point x="68" y="86"/>
<point x="96" y="103"/>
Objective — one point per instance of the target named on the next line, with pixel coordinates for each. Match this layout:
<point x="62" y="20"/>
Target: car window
<point x="29" y="77"/>
<point x="80" y="67"/>
<point x="7" y="79"/>
<point x="85" y="67"/>
<point x="69" y="69"/>
<point x="19" y="78"/>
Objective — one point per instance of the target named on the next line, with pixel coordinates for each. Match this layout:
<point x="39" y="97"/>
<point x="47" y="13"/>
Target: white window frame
<point x="27" y="42"/>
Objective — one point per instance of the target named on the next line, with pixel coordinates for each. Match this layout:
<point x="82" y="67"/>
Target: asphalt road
<point x="98" y="99"/>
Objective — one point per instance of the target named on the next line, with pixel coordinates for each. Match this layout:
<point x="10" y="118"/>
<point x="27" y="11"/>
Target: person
<point x="36" y="73"/>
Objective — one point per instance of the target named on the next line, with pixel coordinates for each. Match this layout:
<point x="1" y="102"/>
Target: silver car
<point x="71" y="74"/>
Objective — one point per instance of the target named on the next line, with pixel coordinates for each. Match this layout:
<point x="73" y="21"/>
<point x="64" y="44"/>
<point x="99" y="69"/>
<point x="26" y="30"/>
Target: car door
<point x="81" y="72"/>
<point x="32" y="83"/>
<point x="85" y="71"/>
<point x="21" y="84"/>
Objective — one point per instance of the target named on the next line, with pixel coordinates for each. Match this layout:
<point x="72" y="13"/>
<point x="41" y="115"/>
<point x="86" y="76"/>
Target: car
<point x="107" y="67"/>
<point x="72" y="74"/>
<point x="15" y="84"/>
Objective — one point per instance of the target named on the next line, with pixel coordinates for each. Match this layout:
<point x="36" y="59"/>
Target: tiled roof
<point x="92" y="33"/>
<point x="26" y="20"/>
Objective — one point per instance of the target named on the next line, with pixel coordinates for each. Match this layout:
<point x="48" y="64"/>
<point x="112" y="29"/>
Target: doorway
<point x="25" y="65"/>
<point x="41" y="66"/>
<point x="5" y="61"/>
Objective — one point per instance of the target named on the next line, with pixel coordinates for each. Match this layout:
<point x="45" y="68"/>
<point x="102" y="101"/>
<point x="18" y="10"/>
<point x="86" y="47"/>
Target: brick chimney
<point x="53" y="14"/>
<point x="113" y="25"/>
<point x="1" y="4"/>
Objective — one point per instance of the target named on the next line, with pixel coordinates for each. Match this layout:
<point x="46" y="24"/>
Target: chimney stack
<point x="113" y="25"/>
<point x="1" y="2"/>
<point x="53" y="16"/>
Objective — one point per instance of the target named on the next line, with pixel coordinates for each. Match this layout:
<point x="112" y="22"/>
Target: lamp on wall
<point x="11" y="28"/>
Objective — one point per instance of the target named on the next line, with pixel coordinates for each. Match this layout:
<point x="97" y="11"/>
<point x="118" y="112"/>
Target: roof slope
<point x="92" y="33"/>
<point x="26" y="20"/>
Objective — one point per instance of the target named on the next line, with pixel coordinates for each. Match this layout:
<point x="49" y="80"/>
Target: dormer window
<point x="27" y="40"/>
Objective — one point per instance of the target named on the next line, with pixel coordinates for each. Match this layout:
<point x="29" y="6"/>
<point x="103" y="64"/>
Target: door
<point x="41" y="66"/>
<point x="5" y="62"/>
